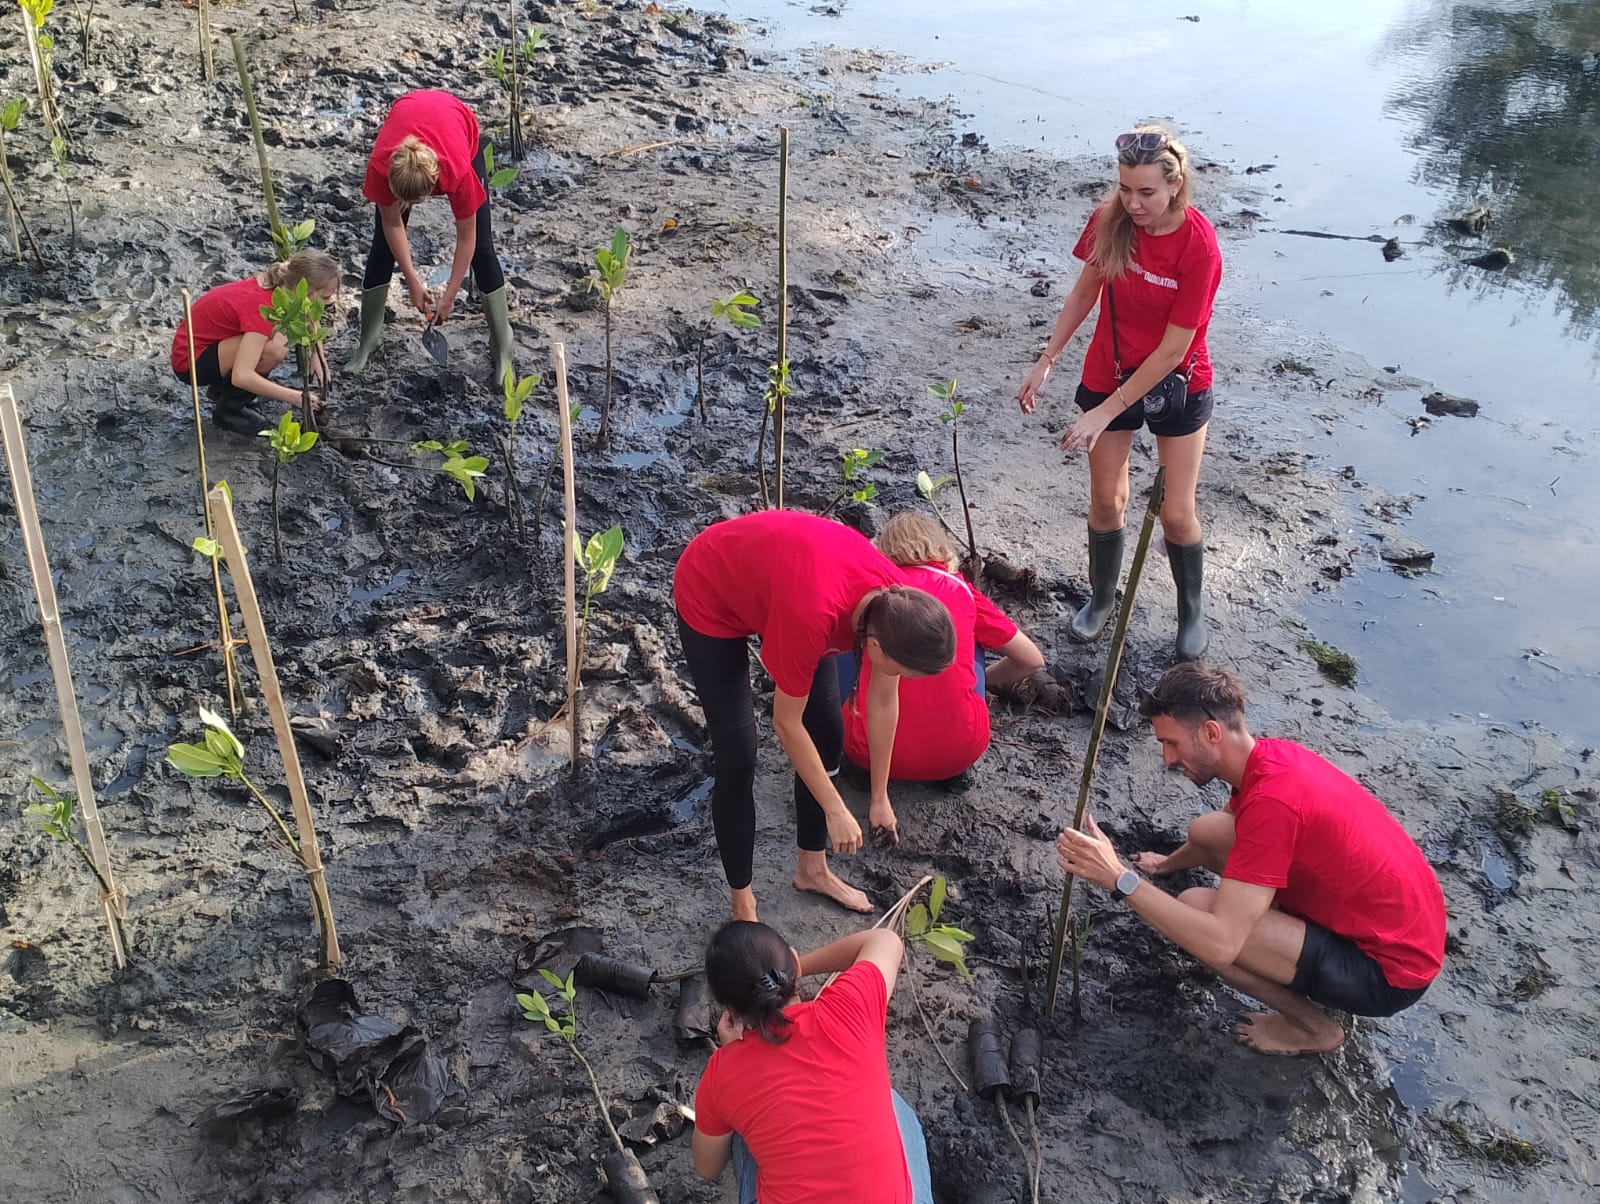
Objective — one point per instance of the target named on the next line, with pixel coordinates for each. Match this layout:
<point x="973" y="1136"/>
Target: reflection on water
<point x="1507" y="108"/>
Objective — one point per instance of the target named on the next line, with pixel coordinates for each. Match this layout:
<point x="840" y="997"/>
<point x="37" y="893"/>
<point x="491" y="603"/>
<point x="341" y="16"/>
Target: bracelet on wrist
<point x="1048" y="358"/>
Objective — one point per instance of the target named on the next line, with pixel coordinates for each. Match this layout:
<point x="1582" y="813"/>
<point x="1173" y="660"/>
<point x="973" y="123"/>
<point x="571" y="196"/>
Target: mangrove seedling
<point x="928" y="491"/>
<point x="777" y="394"/>
<point x="41" y="47"/>
<point x="597" y="559"/>
<point x="851" y="465"/>
<point x="516" y="395"/>
<point x="458" y="463"/>
<point x="943" y="941"/>
<point x="1079" y="940"/>
<point x="85" y="16"/>
<point x="58" y="151"/>
<point x="497" y="178"/>
<point x="56" y="819"/>
<point x="221" y="755"/>
<point x="507" y="68"/>
<point x="610" y="274"/>
<point x="736" y="309"/>
<point x="951" y="417"/>
<point x="10" y="115"/>
<point x="297" y="312"/>
<point x="288" y="441"/>
<point x="288" y="240"/>
<point x="535" y="1008"/>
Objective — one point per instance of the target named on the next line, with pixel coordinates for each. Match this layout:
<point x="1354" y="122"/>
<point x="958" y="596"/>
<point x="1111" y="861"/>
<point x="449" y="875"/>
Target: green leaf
<point x="530" y="1003"/>
<point x="12" y="113"/>
<point x="427" y="445"/>
<point x="924" y="486"/>
<point x="936" y="898"/>
<point x="194" y="760"/>
<point x="207" y="547"/>
<point x="502" y="177"/>
<point x="44" y="788"/>
<point x="567" y="988"/>
<point x="916" y="921"/>
<point x="302" y="232"/>
<point x="551" y="977"/>
<point x="955" y="934"/>
<point x="946" y="950"/>
<point x="619" y="246"/>
<point x="219" y="725"/>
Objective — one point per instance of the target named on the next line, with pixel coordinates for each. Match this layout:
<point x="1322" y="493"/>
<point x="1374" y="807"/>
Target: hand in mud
<point x="1028" y="394"/>
<point x="1153" y="864"/>
<point x="885" y="827"/>
<point x="1086" y="432"/>
<point x="843" y="831"/>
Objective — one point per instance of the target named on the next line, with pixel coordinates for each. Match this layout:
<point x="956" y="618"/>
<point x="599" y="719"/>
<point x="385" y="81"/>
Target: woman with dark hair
<point x="429" y="145"/>
<point x="809" y="588"/>
<point x="1151" y="261"/>
<point x="798" y="1095"/>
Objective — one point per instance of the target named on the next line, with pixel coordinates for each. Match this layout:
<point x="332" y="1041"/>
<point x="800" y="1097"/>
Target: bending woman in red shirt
<point x="429" y="145"/>
<point x="1152" y="262"/>
<point x="810" y="588"/>
<point x="944" y="719"/>
<point x="798" y="1095"/>
<point x="235" y="347"/>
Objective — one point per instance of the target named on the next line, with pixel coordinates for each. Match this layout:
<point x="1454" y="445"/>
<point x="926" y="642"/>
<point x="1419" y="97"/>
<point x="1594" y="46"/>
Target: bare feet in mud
<point x="826" y="882"/>
<point x="1151" y="864"/>
<point x="744" y="904"/>
<point x="1271" y="1033"/>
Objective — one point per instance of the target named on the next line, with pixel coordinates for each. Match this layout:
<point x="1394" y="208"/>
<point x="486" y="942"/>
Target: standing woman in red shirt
<point x="235" y="346"/>
<point x="1151" y="261"/>
<point x="810" y="588"/>
<point x="429" y="145"/>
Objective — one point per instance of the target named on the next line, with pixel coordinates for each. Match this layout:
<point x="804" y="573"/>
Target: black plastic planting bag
<point x="625" y="1178"/>
<point x="371" y="1057"/>
<point x="989" y="1076"/>
<point x="1025" y="1055"/>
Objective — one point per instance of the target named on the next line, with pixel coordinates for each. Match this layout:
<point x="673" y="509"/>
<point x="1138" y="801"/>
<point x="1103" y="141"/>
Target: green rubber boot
<point x="1188" y="574"/>
<point x="1105" y="566"/>
<point x="373" y="301"/>
<point x="495" y="309"/>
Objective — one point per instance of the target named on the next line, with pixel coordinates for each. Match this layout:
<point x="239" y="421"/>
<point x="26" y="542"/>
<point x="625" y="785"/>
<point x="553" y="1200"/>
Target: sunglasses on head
<point x="1144" y="142"/>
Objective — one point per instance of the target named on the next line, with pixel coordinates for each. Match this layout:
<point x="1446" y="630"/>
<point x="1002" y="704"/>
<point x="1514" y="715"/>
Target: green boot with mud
<point x="235" y="410"/>
<point x="1105" y="566"/>
<point x="496" y="311"/>
<point x="373" y="303"/>
<point x="1188" y="574"/>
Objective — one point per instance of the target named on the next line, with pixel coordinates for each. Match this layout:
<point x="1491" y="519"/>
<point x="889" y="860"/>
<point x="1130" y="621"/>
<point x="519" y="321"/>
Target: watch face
<point x="1127" y="882"/>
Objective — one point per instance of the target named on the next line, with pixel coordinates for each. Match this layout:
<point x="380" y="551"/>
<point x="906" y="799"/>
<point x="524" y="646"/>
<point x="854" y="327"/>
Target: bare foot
<point x="827" y="883"/>
<point x="1153" y="864"/>
<point x="744" y="904"/>
<point x="1272" y="1033"/>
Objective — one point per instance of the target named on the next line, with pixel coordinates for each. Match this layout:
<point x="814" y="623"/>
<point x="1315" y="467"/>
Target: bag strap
<point x="1187" y="371"/>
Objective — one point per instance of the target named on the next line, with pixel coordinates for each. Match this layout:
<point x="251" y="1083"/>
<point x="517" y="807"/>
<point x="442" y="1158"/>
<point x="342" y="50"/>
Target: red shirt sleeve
<point x="1263" y="846"/>
<point x="1084" y="249"/>
<point x="1199" y="275"/>
<point x="990" y="627"/>
<point x="708" y="1117"/>
<point x="855" y="1009"/>
<point x="790" y="652"/>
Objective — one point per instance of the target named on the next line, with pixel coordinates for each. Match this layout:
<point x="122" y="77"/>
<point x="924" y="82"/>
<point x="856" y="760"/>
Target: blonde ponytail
<point x="1113" y="232"/>
<point x="413" y="171"/>
<point x="317" y="268"/>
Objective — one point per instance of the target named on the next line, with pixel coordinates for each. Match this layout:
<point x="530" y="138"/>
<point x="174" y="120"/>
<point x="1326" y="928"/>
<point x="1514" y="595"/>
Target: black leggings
<point x="485" y="263"/>
<point x="721" y="672"/>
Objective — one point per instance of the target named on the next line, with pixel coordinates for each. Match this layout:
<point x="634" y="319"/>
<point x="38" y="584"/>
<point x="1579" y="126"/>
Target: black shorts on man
<point x="1333" y="971"/>
<point x="1196" y="412"/>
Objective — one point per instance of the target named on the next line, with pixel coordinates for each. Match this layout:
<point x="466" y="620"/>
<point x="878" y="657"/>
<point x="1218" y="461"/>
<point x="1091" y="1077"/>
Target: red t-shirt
<point x="944" y="723"/>
<point x="220" y="314"/>
<point x="815" y="1110"/>
<point x="793" y="579"/>
<point x="1337" y="858"/>
<point x="1171" y="281"/>
<point x="446" y="127"/>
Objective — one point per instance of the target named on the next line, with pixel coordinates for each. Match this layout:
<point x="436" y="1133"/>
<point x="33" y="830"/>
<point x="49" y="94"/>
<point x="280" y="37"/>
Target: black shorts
<point x="208" y="368"/>
<point x="1334" y="972"/>
<point x="1196" y="413"/>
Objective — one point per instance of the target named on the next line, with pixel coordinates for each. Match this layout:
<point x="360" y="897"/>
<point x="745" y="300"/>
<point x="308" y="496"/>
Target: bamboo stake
<point x="49" y="111"/>
<point x="208" y="67"/>
<point x="244" y="589"/>
<point x="255" y="132"/>
<point x="569" y="546"/>
<point x="230" y="666"/>
<point x="1119" y="636"/>
<point x="783" y="299"/>
<point x="111" y="902"/>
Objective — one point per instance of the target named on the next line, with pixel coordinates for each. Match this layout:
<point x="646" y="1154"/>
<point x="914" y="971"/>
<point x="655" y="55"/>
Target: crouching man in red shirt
<point x="1324" y="898"/>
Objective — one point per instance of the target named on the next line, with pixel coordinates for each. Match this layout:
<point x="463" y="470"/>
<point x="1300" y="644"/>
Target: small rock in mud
<point x="1392" y="250"/>
<point x="1405" y="555"/>
<point x="1441" y="403"/>
<point x="1492" y="261"/>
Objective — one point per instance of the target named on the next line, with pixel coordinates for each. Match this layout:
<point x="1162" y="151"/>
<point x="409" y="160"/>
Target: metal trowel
<point x="435" y="343"/>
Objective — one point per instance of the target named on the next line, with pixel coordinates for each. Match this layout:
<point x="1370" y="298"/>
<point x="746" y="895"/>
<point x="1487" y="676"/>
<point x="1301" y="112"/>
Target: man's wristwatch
<point x="1127" y="882"/>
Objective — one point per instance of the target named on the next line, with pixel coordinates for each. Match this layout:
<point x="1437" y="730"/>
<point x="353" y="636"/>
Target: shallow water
<point x="1375" y="117"/>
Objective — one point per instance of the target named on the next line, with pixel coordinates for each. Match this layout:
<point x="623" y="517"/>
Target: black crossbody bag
<point x="1170" y="394"/>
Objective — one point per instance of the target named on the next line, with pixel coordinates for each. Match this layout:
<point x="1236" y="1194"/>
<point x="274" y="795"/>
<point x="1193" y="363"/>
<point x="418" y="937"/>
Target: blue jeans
<point x="845" y="665"/>
<point x="744" y="1166"/>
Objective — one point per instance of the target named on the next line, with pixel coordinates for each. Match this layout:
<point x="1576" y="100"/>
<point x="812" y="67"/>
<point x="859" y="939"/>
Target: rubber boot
<point x="1105" y="567"/>
<point x="373" y="302"/>
<point x="496" y="312"/>
<point x="1188" y="574"/>
<point x="235" y="410"/>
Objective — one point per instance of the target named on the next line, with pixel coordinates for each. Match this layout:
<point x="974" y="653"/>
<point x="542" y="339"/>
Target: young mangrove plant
<point x="41" y="48"/>
<point x="597" y="560"/>
<point x="928" y="490"/>
<point x="297" y="313"/>
<point x="56" y="819"/>
<point x="775" y="398"/>
<point x="942" y="941"/>
<point x="208" y="546"/>
<point x="221" y="755"/>
<point x="498" y="178"/>
<point x="58" y="151"/>
<point x="610" y="274"/>
<point x="456" y="462"/>
<point x="951" y="417"/>
<point x="851" y="465"/>
<point x="507" y="68"/>
<point x="289" y="240"/>
<point x="736" y="309"/>
<point x="516" y="395"/>
<point x="84" y="14"/>
<point x="288" y="442"/>
<point x="10" y="116"/>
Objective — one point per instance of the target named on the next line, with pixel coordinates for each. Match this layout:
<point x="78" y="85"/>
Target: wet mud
<point x="429" y="647"/>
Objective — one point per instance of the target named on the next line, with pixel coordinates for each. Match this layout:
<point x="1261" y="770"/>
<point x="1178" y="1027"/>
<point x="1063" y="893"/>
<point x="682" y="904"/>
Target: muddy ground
<point x="452" y="831"/>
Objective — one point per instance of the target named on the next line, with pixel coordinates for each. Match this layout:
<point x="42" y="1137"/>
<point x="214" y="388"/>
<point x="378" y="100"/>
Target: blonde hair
<point x="316" y="268"/>
<point x="413" y="170"/>
<point x="910" y="538"/>
<point x="1113" y="232"/>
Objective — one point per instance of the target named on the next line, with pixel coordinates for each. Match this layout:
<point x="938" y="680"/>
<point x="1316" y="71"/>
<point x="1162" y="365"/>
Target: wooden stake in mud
<point x="305" y="827"/>
<point x="261" y="143"/>
<point x="230" y="666"/>
<point x="66" y="696"/>
<point x="569" y="544"/>
<point x="1108" y="681"/>
<point x="783" y="302"/>
<point x="208" y="67"/>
